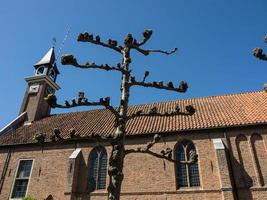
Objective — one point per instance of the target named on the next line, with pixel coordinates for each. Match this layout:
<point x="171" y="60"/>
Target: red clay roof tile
<point x="211" y="112"/>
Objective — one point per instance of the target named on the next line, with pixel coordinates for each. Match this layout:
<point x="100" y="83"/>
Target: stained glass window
<point x="187" y="175"/>
<point x="97" y="169"/>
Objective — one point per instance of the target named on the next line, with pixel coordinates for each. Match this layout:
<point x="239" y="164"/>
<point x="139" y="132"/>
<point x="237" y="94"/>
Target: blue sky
<point x="214" y="39"/>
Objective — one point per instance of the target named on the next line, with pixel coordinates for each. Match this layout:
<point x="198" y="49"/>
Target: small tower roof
<point x="48" y="59"/>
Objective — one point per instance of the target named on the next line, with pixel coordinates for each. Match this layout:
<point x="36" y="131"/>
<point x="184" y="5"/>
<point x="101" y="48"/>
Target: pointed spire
<point x="48" y="59"/>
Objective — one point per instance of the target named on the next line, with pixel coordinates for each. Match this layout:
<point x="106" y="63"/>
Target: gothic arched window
<point x="97" y="169"/>
<point x="40" y="70"/>
<point x="187" y="175"/>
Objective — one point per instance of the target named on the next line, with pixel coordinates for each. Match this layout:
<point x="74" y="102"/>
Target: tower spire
<point x="42" y="83"/>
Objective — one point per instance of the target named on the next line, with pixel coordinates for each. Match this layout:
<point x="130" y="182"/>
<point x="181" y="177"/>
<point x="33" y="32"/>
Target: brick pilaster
<point x="223" y="170"/>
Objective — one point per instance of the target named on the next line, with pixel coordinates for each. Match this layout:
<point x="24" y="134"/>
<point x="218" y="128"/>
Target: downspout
<point x="5" y="169"/>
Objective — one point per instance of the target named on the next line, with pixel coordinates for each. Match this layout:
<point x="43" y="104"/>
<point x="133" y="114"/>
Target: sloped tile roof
<point x="211" y="112"/>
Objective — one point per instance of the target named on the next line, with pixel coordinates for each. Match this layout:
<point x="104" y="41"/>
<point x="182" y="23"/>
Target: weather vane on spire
<point x="54" y="42"/>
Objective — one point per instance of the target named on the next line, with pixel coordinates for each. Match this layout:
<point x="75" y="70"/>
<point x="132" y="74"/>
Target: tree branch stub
<point x="183" y="86"/>
<point x="86" y="37"/>
<point x="51" y="99"/>
<point x="69" y="59"/>
<point x="189" y="111"/>
<point x="258" y="52"/>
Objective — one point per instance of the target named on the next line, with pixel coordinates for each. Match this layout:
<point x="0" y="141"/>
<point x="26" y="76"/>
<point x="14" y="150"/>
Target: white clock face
<point x="33" y="89"/>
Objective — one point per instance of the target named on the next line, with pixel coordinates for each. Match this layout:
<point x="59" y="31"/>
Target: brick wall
<point x="34" y="104"/>
<point x="146" y="177"/>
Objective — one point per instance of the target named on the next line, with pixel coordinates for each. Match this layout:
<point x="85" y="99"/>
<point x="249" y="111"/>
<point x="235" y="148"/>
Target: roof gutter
<point x="98" y="138"/>
<point x="13" y="124"/>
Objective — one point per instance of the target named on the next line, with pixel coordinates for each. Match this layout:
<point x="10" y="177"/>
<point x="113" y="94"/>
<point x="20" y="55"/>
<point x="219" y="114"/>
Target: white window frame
<point x="14" y="180"/>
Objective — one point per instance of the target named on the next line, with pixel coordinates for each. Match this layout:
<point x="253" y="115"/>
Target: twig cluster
<point x="129" y="41"/>
<point x="73" y="135"/>
<point x="258" y="52"/>
<point x="87" y="37"/>
<point x="69" y="59"/>
<point x="189" y="110"/>
<point x="183" y="86"/>
<point x="51" y="99"/>
<point x="39" y="137"/>
<point x="134" y="44"/>
<point x="146" y="36"/>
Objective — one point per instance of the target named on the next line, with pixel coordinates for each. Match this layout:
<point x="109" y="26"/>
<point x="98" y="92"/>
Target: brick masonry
<point x="238" y="172"/>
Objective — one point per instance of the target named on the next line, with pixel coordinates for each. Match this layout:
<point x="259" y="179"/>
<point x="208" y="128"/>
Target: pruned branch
<point x="132" y="43"/>
<point x="164" y="52"/>
<point x="69" y="59"/>
<point x="73" y="136"/>
<point x="141" y="150"/>
<point x="51" y="99"/>
<point x="160" y="85"/>
<point x="155" y="140"/>
<point x="164" y="154"/>
<point x="258" y="53"/>
<point x="146" y="52"/>
<point x="39" y="137"/>
<point x="189" y="110"/>
<point x="146" y="34"/>
<point x="112" y="44"/>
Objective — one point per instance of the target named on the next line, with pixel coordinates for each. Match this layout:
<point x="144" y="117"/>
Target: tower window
<point x="22" y="179"/>
<point x="97" y="169"/>
<point x="40" y="70"/>
<point x="187" y="175"/>
<point x="51" y="74"/>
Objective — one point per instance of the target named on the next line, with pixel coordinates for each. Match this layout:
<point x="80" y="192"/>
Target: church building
<point x="228" y="133"/>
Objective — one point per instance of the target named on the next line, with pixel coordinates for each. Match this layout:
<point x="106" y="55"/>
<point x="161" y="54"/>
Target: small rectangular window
<point x="22" y="179"/>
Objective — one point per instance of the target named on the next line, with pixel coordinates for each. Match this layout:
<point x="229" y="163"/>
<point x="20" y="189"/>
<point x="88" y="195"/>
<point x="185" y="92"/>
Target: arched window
<point x="260" y="158"/>
<point x="40" y="70"/>
<point x="187" y="175"/>
<point x="97" y="169"/>
<point x="245" y="173"/>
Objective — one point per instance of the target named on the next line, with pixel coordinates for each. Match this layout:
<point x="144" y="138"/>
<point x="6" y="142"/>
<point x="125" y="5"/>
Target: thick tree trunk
<point x="116" y="159"/>
<point x="115" y="170"/>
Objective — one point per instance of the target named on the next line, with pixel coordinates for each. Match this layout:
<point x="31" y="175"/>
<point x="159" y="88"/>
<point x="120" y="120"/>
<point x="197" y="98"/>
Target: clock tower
<point x="42" y="83"/>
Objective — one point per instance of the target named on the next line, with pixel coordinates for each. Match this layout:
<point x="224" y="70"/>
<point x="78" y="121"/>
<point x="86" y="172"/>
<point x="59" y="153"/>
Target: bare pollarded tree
<point x="258" y="52"/>
<point x="117" y="140"/>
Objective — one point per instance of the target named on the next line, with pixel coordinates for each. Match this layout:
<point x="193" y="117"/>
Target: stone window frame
<point x="184" y="144"/>
<point x="15" y="178"/>
<point x="100" y="150"/>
